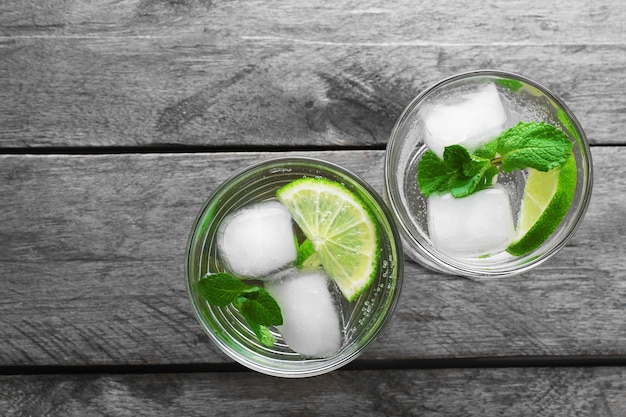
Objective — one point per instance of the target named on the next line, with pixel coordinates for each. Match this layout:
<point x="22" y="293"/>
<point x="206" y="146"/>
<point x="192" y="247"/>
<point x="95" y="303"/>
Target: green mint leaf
<point x="305" y="250"/>
<point x="261" y="308"/>
<point x="464" y="186"/>
<point x="486" y="180"/>
<point x="262" y="333"/>
<point x="250" y="291"/>
<point x="488" y="150"/>
<point x="239" y="302"/>
<point x="459" y="173"/>
<point x="220" y="289"/>
<point x="533" y="145"/>
<point x="433" y="175"/>
<point x="455" y="157"/>
<point x="469" y="172"/>
<point x="254" y="303"/>
<point x="307" y="256"/>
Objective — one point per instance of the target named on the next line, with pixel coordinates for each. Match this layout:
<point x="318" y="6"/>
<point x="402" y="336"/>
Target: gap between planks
<point x="359" y="365"/>
<point x="177" y="149"/>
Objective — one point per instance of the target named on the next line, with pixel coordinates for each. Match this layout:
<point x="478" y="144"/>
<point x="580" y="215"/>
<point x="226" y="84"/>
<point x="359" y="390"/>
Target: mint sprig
<point x="459" y="173"/>
<point x="527" y="145"/>
<point x="255" y="304"/>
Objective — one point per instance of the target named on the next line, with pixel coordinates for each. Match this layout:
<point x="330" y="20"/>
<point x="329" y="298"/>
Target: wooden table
<point x="118" y="118"/>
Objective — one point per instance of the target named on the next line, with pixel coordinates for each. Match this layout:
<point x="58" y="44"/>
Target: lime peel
<point x="547" y="199"/>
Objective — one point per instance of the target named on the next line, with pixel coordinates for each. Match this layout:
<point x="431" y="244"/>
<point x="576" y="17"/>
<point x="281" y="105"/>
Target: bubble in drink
<point x="257" y="239"/>
<point x="469" y="119"/>
<point x="311" y="322"/>
<point x="479" y="224"/>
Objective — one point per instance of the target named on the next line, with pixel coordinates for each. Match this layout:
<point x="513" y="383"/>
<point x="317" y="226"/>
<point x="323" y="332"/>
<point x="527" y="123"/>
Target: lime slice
<point x="342" y="230"/>
<point x="547" y="199"/>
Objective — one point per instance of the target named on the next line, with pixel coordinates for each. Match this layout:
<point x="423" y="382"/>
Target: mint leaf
<point x="258" y="306"/>
<point x="533" y="145"/>
<point x="250" y="291"/>
<point x="238" y="302"/>
<point x="254" y="303"/>
<point x="465" y="171"/>
<point x="464" y="186"/>
<point x="261" y="308"/>
<point x="486" y="180"/>
<point x="262" y="333"/>
<point x="488" y="150"/>
<point x="305" y="251"/>
<point x="455" y="157"/>
<point x="459" y="173"/>
<point x="433" y="176"/>
<point x="220" y="289"/>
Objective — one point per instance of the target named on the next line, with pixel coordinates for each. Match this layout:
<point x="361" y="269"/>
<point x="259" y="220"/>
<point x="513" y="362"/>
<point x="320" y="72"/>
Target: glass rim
<point x="446" y="263"/>
<point x="317" y="366"/>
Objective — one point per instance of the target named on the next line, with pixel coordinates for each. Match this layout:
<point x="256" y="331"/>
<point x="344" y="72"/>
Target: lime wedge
<point x="547" y="199"/>
<point x="342" y="230"/>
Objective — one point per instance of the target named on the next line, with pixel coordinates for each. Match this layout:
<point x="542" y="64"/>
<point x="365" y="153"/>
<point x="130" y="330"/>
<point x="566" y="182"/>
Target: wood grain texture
<point x="273" y="74"/>
<point x="433" y="21"/>
<point x="546" y="392"/>
<point x="92" y="251"/>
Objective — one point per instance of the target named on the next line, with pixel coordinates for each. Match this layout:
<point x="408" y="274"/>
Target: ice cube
<point x="479" y="224"/>
<point x="257" y="239"/>
<point x="311" y="324"/>
<point x="470" y="120"/>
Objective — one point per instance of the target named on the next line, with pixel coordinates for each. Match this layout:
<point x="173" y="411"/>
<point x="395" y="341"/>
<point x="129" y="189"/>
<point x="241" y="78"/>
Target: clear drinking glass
<point x="362" y="319"/>
<point x="523" y="100"/>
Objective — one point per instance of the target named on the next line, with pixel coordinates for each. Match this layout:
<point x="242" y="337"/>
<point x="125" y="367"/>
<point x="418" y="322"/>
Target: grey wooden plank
<point x="304" y="74"/>
<point x="92" y="252"/>
<point x="596" y="392"/>
<point x="319" y="21"/>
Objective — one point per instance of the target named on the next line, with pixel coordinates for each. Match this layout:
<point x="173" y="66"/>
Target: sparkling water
<point x="472" y="109"/>
<point x="250" y="234"/>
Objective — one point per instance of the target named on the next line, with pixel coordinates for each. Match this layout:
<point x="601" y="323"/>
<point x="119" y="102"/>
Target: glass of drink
<point x="488" y="173"/>
<point x="313" y="237"/>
